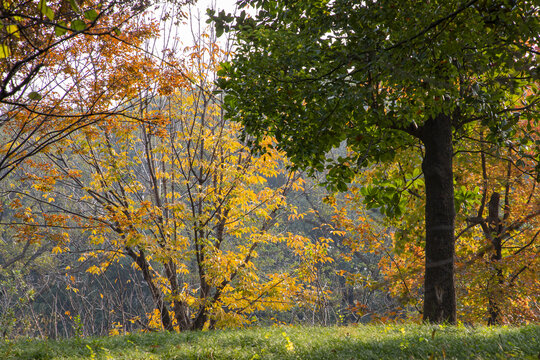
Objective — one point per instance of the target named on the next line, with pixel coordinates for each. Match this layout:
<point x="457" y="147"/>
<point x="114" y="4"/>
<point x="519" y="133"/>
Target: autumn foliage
<point x="497" y="202"/>
<point x="120" y="172"/>
<point x="171" y="187"/>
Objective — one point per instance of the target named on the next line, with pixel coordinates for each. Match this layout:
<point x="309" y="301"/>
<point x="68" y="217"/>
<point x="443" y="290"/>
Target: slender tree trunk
<point x="179" y="307"/>
<point x="159" y="302"/>
<point x="496" y="281"/>
<point x="439" y="290"/>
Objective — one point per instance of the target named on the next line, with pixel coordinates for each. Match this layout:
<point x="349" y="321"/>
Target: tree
<point x="64" y="65"/>
<point x="497" y="243"/>
<point x="181" y="197"/>
<point x="379" y="77"/>
<point x="496" y="201"/>
<point x="52" y="80"/>
<point x="363" y="242"/>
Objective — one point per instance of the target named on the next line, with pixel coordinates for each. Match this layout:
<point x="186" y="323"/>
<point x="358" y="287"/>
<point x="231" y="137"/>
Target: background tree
<point x="501" y="267"/>
<point x="496" y="200"/>
<point x="381" y="77"/>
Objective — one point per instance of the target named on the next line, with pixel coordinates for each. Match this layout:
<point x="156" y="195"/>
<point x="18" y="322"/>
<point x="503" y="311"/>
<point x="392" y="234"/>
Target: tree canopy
<point x="370" y="73"/>
<point x="380" y="76"/>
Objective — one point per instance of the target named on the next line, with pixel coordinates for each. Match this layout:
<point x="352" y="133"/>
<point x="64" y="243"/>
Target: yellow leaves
<point x="9" y="146"/>
<point x="5" y="52"/>
<point x="94" y="270"/>
<point x="26" y="215"/>
<point x="13" y="30"/>
<point x="162" y="175"/>
<point x="117" y="329"/>
<point x="180" y="187"/>
<point x="296" y="242"/>
<point x="74" y="173"/>
<point x="298" y="185"/>
<point x="57" y="250"/>
<point x="71" y="288"/>
<point x="6" y="4"/>
<point x="338" y="232"/>
<point x="294" y="214"/>
<point x="289" y="346"/>
<point x="42" y="187"/>
<point x="154" y="320"/>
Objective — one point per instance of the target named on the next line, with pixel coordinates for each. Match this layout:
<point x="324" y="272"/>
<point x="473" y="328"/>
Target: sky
<point x="199" y="11"/>
<point x="220" y="4"/>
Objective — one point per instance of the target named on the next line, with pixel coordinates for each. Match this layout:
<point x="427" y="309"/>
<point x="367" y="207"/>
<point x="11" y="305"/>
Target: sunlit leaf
<point x="60" y="29"/>
<point x="13" y="30"/>
<point x="5" y="51"/>
<point x="91" y="14"/>
<point x="74" y="5"/>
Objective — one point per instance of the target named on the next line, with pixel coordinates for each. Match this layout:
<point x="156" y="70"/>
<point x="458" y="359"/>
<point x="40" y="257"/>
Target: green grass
<point x="398" y="341"/>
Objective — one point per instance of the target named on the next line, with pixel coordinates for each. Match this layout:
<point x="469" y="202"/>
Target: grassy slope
<point x="361" y="342"/>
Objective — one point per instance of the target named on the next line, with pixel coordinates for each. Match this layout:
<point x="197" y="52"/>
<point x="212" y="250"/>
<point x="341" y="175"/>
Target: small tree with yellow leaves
<point x="183" y="197"/>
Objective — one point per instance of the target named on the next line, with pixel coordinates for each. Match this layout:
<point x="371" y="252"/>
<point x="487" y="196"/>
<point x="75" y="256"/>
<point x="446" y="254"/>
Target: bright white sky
<point x="178" y="37"/>
<point x="227" y="5"/>
<point x="199" y="10"/>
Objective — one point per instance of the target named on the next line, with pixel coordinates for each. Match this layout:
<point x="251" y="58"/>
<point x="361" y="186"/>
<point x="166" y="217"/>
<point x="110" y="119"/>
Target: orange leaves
<point x="297" y="242"/>
<point x="294" y="215"/>
<point x="494" y="262"/>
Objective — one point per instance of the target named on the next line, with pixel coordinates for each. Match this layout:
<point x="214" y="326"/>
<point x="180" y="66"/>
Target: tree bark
<point x="159" y="302"/>
<point x="439" y="290"/>
<point x="495" y="282"/>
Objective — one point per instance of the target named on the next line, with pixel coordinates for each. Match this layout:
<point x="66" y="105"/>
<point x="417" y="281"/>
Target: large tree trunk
<point x="439" y="291"/>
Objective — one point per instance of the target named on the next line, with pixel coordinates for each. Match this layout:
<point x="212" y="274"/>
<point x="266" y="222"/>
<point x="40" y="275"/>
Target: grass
<point x="396" y="341"/>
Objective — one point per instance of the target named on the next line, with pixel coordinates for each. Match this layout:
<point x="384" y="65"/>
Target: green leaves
<point x="74" y="6"/>
<point x="61" y="28"/>
<point x="34" y="96"/>
<point x="78" y="25"/>
<point x="464" y="199"/>
<point x="46" y="10"/>
<point x="386" y="197"/>
<point x="222" y="20"/>
<point x="91" y="14"/>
